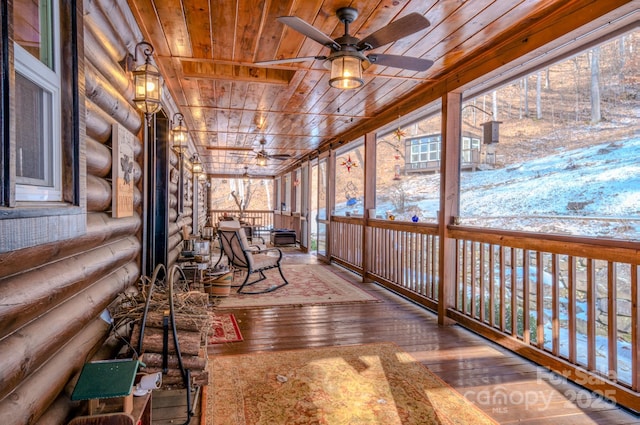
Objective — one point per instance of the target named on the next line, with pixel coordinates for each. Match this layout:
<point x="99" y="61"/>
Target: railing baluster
<point x="540" y="287"/>
<point x="612" y="322"/>
<point x="503" y="289"/>
<point x="526" y="323"/>
<point x="482" y="284"/>
<point x="591" y="315"/>
<point x="492" y="285"/>
<point x="571" y="308"/>
<point x="555" y="303"/>
<point x="514" y="293"/>
<point x="635" y="332"/>
<point x="474" y="277"/>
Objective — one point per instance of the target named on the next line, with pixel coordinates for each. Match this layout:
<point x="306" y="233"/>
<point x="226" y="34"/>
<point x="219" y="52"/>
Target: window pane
<point x="33" y="28"/>
<point x="33" y="147"/>
<point x="564" y="158"/>
<point x="253" y="195"/>
<point x="408" y="180"/>
<point x="349" y="182"/>
<point x="286" y="202"/>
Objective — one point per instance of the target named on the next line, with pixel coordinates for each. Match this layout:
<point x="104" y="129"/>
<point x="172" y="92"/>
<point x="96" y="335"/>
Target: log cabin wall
<point x="54" y="293"/>
<point x="174" y="231"/>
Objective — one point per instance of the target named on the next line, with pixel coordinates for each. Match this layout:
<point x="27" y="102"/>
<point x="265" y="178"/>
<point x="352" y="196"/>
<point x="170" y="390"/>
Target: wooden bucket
<point x="218" y="286"/>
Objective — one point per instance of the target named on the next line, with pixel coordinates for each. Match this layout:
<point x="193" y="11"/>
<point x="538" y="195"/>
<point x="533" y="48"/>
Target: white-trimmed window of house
<point x="37" y="100"/>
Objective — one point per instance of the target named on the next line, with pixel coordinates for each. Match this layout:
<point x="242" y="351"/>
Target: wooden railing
<point x="262" y="219"/>
<point x="346" y="241"/>
<point x="569" y="303"/>
<point x="405" y="255"/>
<point x="572" y="302"/>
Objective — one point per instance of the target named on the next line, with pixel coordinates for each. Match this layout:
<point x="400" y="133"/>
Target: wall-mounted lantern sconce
<point x="179" y="134"/>
<point x="245" y="175"/>
<point x="147" y="83"/>
<point x="196" y="164"/>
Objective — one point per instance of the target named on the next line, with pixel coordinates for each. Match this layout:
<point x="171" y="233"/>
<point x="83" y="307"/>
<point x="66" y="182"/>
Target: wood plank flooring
<point x="505" y="386"/>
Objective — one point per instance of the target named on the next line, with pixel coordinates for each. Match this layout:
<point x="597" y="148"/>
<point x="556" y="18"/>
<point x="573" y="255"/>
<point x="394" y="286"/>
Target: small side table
<point x="108" y="386"/>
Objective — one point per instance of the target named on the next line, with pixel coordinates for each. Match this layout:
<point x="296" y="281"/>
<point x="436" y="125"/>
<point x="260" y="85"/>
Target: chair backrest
<point x="233" y="241"/>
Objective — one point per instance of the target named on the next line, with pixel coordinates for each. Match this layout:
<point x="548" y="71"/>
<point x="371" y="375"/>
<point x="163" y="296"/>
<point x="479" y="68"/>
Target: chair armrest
<point x="257" y="237"/>
<point x="264" y="251"/>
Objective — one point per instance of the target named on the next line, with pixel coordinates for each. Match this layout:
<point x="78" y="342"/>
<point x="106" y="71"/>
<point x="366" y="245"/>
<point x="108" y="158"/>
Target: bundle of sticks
<point x="192" y="323"/>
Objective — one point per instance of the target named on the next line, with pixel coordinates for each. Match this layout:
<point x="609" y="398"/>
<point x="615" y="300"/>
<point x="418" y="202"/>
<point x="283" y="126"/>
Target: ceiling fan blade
<point x="280" y="157"/>
<point x="228" y="148"/>
<point x="309" y="30"/>
<point x="396" y="30"/>
<point x="397" y="61"/>
<point x="290" y="60"/>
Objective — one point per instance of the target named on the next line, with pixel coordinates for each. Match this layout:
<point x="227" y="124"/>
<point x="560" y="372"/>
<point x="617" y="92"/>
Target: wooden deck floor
<point x="507" y="387"/>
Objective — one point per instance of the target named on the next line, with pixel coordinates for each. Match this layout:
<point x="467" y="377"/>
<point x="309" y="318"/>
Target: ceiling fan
<point x="347" y="58"/>
<point x="262" y="155"/>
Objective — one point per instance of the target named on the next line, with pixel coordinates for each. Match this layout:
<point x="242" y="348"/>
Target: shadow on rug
<point x="224" y="328"/>
<point x="309" y="284"/>
<point x="364" y="384"/>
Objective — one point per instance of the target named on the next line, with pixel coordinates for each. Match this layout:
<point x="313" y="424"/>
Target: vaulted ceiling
<point x="207" y="52"/>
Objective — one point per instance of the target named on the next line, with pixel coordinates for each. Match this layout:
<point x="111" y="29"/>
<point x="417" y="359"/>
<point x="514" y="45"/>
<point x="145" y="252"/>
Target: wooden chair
<point x="254" y="259"/>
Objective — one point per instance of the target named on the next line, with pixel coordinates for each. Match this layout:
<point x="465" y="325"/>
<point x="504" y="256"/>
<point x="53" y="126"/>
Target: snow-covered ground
<point x="593" y="191"/>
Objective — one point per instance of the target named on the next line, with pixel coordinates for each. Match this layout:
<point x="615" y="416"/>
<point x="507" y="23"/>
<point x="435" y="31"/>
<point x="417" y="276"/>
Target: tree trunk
<point x="526" y="96"/>
<point x="538" y="95"/>
<point x="596" y="114"/>
<point x="184" y="322"/>
<point x="190" y="342"/>
<point x="494" y="107"/>
<point x="154" y="360"/>
<point x="197" y="378"/>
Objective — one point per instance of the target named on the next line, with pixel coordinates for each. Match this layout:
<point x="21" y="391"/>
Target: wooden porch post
<point x="331" y="198"/>
<point x="449" y="201"/>
<point x="369" y="197"/>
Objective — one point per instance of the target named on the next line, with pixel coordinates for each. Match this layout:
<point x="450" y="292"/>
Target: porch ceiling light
<point x="196" y="164"/>
<point x="346" y="72"/>
<point x="261" y="160"/>
<point x="179" y="134"/>
<point x="147" y="83"/>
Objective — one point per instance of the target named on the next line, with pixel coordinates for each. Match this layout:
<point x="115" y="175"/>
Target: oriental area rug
<point x="309" y="284"/>
<point x="224" y="328"/>
<point x="363" y="384"/>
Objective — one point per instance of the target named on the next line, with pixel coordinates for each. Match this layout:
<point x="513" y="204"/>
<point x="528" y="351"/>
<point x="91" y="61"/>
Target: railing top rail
<point x="597" y="248"/>
<point x="404" y="226"/>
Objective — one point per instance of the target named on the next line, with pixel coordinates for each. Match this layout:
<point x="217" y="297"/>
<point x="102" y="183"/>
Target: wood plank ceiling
<point x="206" y="51"/>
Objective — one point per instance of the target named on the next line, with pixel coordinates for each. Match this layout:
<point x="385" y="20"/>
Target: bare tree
<point x="596" y="113"/>
<point x="241" y="201"/>
<point x="525" y="88"/>
<point x="538" y="95"/>
<point x="398" y="196"/>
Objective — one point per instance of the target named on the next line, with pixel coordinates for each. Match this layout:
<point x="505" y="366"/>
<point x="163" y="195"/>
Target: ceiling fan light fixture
<point x="346" y="72"/>
<point x="261" y="160"/>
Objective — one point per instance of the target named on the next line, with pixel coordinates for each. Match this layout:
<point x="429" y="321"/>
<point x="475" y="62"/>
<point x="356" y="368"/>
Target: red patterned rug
<point x="309" y="284"/>
<point x="224" y="328"/>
